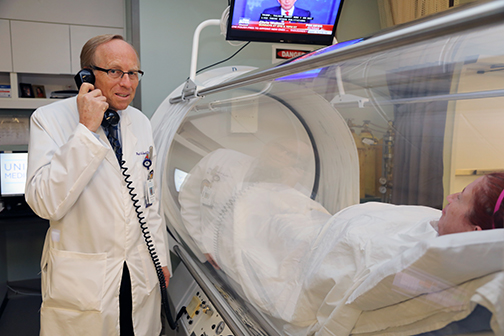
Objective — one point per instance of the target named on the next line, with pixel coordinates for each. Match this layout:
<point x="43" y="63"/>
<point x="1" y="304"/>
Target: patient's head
<point x="474" y="207"/>
<point x="484" y="213"/>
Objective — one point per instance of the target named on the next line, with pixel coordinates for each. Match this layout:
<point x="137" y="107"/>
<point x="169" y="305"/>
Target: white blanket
<point x="296" y="262"/>
<point x="299" y="265"/>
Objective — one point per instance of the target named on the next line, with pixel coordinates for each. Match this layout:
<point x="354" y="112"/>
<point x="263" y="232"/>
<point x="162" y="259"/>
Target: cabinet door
<point x="79" y="35"/>
<point x="109" y="13"/>
<point x="5" y="50"/>
<point x="40" y="47"/>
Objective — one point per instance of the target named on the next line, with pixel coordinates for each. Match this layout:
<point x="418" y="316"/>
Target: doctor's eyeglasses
<point x="116" y="73"/>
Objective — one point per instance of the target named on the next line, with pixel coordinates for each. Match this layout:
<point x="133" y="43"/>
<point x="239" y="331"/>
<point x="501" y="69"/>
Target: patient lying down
<point x="295" y="261"/>
<point x="477" y="207"/>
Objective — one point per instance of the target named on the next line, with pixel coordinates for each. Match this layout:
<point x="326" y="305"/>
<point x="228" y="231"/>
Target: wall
<point x="476" y="127"/>
<point x="359" y="18"/>
<point x="166" y="34"/>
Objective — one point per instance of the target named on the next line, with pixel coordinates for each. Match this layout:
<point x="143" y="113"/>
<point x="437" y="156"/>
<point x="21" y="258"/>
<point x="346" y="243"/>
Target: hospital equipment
<point x="260" y="185"/>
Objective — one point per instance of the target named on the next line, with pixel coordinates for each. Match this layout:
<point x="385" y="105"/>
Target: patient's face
<point x="454" y="217"/>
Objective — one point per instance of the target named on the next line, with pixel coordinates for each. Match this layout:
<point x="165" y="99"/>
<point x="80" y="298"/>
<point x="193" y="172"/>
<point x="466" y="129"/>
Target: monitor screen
<point x="291" y="21"/>
<point x="13" y="173"/>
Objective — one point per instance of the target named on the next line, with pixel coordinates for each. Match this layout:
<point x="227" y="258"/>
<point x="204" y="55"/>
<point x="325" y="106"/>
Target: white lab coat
<point x="74" y="180"/>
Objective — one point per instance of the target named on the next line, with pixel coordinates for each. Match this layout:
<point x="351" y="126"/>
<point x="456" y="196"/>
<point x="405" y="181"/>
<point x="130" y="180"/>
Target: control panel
<point x="202" y="319"/>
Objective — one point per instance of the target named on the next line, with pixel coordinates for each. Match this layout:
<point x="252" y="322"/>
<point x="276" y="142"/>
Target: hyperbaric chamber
<point x="249" y="175"/>
<point x="289" y="135"/>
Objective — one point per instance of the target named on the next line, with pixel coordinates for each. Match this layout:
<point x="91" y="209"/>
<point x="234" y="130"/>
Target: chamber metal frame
<point x="227" y="314"/>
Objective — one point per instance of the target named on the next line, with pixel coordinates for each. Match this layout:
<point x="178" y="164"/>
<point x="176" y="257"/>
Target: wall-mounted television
<point x="290" y="21"/>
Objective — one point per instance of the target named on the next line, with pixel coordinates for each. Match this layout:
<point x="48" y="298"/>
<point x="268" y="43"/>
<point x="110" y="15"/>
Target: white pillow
<point x="431" y="266"/>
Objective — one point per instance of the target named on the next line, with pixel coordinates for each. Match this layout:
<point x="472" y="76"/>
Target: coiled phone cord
<point x="151" y="248"/>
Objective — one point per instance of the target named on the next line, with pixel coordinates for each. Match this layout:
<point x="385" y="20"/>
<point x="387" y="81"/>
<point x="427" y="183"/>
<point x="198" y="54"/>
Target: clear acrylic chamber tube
<point x="308" y="192"/>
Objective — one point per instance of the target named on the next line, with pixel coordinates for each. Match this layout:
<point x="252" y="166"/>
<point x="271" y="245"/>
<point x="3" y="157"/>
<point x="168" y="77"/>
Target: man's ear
<point x="477" y="228"/>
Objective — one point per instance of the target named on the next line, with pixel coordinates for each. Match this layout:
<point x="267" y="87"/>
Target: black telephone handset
<point x="110" y="117"/>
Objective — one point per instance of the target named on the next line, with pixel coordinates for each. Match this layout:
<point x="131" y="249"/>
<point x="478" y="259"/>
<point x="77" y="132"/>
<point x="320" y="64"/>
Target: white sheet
<point x="292" y="260"/>
<point x="431" y="266"/>
<point x="295" y="262"/>
<point x="434" y="311"/>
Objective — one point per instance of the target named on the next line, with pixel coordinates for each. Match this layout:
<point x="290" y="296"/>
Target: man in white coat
<point x="98" y="277"/>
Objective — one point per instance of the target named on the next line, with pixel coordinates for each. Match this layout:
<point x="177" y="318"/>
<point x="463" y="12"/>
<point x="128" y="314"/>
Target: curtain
<point x="393" y="12"/>
<point x="418" y="148"/>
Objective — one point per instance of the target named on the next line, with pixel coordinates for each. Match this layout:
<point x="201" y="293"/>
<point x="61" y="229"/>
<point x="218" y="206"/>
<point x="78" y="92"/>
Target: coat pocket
<point x="74" y="280"/>
<point x="151" y="279"/>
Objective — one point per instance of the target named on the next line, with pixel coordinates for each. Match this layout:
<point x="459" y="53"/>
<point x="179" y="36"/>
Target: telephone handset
<point x="110" y="117"/>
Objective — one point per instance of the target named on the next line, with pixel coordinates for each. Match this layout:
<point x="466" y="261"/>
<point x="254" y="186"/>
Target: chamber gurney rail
<point x="466" y="17"/>
<point x="211" y="292"/>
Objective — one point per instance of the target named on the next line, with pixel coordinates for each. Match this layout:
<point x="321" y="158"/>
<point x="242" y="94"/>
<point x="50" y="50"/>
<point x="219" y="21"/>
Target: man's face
<point x="116" y="54"/>
<point x="287" y="4"/>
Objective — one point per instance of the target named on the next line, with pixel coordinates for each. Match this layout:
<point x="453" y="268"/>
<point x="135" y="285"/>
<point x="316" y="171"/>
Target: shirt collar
<point x="291" y="11"/>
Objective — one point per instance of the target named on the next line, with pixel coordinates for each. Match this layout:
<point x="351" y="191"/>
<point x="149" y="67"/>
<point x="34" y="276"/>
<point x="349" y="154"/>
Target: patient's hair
<point x="487" y="194"/>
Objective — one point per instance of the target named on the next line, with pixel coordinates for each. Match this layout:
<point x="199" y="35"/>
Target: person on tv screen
<point x="287" y="10"/>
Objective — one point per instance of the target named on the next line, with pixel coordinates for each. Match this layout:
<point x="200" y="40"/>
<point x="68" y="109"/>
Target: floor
<point x="20" y="316"/>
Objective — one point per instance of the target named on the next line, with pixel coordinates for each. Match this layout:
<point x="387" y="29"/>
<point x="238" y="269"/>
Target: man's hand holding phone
<point x="91" y="104"/>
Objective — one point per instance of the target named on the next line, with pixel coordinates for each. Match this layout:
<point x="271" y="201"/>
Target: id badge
<point x="149" y="190"/>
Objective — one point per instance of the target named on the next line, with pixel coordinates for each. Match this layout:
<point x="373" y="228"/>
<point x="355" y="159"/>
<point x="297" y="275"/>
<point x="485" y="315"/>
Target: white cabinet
<point x="108" y="13"/>
<point x="51" y="48"/>
<point x="43" y="54"/>
<point x="41" y="41"/>
<point x="5" y="49"/>
<point x="40" y="47"/>
<point x="79" y="35"/>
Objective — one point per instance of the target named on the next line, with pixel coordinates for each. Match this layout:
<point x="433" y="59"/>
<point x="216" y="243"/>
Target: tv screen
<point x="13" y="173"/>
<point x="290" y="21"/>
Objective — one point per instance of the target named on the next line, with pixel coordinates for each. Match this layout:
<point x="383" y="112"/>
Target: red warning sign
<point x="289" y="53"/>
